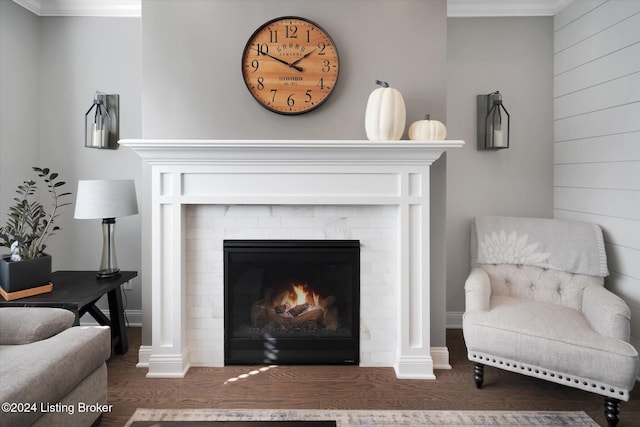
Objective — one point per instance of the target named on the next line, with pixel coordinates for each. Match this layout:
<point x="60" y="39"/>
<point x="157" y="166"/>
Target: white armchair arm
<point x="477" y="290"/>
<point x="607" y="313"/>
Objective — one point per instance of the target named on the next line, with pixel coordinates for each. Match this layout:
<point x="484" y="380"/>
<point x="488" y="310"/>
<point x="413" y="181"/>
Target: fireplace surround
<point x="182" y="175"/>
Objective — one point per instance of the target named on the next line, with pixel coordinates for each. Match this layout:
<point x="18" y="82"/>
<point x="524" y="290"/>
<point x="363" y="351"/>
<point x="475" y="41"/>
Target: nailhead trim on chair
<point x="549" y="375"/>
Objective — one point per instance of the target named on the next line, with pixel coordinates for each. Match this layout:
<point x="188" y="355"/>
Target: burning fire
<point x="299" y="296"/>
<point x="296" y="307"/>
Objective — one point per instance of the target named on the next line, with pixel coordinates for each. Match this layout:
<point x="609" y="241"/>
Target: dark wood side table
<point x="78" y="291"/>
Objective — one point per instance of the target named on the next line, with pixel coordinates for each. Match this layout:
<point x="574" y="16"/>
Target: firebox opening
<point x="292" y="301"/>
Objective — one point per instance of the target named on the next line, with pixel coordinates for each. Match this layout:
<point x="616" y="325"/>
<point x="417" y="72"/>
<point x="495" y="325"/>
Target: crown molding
<point x="455" y="8"/>
<point x="104" y="8"/>
<point x="491" y="8"/>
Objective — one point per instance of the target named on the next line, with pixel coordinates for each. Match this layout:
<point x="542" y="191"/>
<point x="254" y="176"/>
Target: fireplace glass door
<point x="292" y="302"/>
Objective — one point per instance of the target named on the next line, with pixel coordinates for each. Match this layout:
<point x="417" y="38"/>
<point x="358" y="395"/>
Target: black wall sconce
<point x="493" y="122"/>
<point x="102" y="122"/>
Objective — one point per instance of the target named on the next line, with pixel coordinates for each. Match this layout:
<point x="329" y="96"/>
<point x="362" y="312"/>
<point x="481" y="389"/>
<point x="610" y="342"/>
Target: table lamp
<point x="106" y="199"/>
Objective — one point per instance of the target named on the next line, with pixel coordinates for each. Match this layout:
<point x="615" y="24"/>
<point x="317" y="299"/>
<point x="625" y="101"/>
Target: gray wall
<point x="597" y="137"/>
<point x="193" y="85"/>
<point x="193" y="88"/>
<point x="514" y="56"/>
<point x="19" y="76"/>
<point x="80" y="56"/>
<point x="51" y="68"/>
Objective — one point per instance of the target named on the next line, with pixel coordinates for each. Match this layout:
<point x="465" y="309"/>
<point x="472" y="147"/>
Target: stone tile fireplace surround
<point x="200" y="192"/>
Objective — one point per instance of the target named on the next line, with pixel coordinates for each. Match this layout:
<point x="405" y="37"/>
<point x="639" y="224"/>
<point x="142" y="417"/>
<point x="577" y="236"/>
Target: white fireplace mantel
<point x="181" y="173"/>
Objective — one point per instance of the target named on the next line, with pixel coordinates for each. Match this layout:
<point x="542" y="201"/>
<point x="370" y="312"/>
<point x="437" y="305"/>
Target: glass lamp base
<point x="106" y="274"/>
<point x="108" y="263"/>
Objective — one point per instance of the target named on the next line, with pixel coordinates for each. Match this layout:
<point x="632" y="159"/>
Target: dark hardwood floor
<point x="344" y="387"/>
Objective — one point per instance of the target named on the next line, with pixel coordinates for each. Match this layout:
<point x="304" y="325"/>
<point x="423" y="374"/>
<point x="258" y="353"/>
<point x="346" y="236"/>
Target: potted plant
<point x="26" y="232"/>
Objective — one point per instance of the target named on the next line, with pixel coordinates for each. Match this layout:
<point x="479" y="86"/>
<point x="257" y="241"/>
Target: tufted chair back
<point x="535" y="283"/>
<point x="539" y="284"/>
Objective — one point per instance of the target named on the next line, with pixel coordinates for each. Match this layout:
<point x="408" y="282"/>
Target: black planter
<point x="20" y="275"/>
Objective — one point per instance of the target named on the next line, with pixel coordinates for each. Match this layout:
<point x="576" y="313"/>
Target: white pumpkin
<point x="386" y="115"/>
<point x="427" y="130"/>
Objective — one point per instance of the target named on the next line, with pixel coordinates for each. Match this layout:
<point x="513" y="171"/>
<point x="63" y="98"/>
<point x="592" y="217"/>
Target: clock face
<point x="290" y="65"/>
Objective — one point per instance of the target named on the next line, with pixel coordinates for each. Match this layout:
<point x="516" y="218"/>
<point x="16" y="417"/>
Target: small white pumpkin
<point x="386" y="115"/>
<point x="427" y="130"/>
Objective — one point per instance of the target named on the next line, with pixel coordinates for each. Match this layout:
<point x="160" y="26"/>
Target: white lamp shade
<point x="106" y="198"/>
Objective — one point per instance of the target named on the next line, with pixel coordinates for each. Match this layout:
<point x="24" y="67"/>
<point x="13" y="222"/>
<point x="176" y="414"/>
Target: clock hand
<point x="280" y="60"/>
<point x="300" y="59"/>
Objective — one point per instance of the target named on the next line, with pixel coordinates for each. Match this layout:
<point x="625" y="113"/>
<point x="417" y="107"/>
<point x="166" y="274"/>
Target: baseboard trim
<point x="144" y="354"/>
<point x="132" y="318"/>
<point x="440" y="356"/>
<point x="454" y="320"/>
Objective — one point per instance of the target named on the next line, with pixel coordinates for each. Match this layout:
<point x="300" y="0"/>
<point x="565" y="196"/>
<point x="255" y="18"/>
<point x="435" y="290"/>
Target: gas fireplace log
<point x="276" y="300"/>
<point x="259" y="314"/>
<point x="311" y="317"/>
<point x="268" y="297"/>
<point x="327" y="302"/>
<point x="298" y="309"/>
<point x="331" y="319"/>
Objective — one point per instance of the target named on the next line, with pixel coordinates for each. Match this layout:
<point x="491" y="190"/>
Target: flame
<point x="299" y="296"/>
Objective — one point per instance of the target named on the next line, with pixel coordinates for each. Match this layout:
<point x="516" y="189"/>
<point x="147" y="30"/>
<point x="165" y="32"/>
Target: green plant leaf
<point x="28" y="221"/>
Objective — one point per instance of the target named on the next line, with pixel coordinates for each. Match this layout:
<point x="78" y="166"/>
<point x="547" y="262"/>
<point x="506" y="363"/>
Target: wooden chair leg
<point x="478" y="374"/>
<point x="611" y="411"/>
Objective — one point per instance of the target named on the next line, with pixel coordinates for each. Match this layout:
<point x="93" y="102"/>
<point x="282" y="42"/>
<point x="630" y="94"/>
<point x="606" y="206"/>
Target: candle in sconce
<point x="498" y="139"/>
<point x="99" y="137"/>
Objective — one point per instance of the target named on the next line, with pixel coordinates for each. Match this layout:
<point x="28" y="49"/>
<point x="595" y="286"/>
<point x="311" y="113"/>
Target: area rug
<point x="345" y="418"/>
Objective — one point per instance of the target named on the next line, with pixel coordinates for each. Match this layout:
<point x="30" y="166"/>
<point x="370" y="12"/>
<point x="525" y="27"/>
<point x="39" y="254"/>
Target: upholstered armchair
<point x="536" y="305"/>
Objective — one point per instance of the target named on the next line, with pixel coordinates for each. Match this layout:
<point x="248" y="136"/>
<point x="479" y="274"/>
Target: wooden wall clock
<point x="290" y="65"/>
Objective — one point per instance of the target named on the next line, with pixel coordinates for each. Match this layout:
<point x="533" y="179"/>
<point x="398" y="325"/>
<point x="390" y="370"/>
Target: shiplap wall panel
<point x="615" y="11"/>
<point x="570" y="14"/>
<point x="618" y="175"/>
<point x="597" y="132"/>
<point x="624" y="118"/>
<point x="621" y="203"/>
<point x="619" y="36"/>
<point x="618" y="231"/>
<point x="624" y="90"/>
<point x="610" y="148"/>
<point x="615" y="65"/>
<point x="622" y="258"/>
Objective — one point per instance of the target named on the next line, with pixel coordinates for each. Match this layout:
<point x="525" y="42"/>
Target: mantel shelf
<point x="196" y="150"/>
